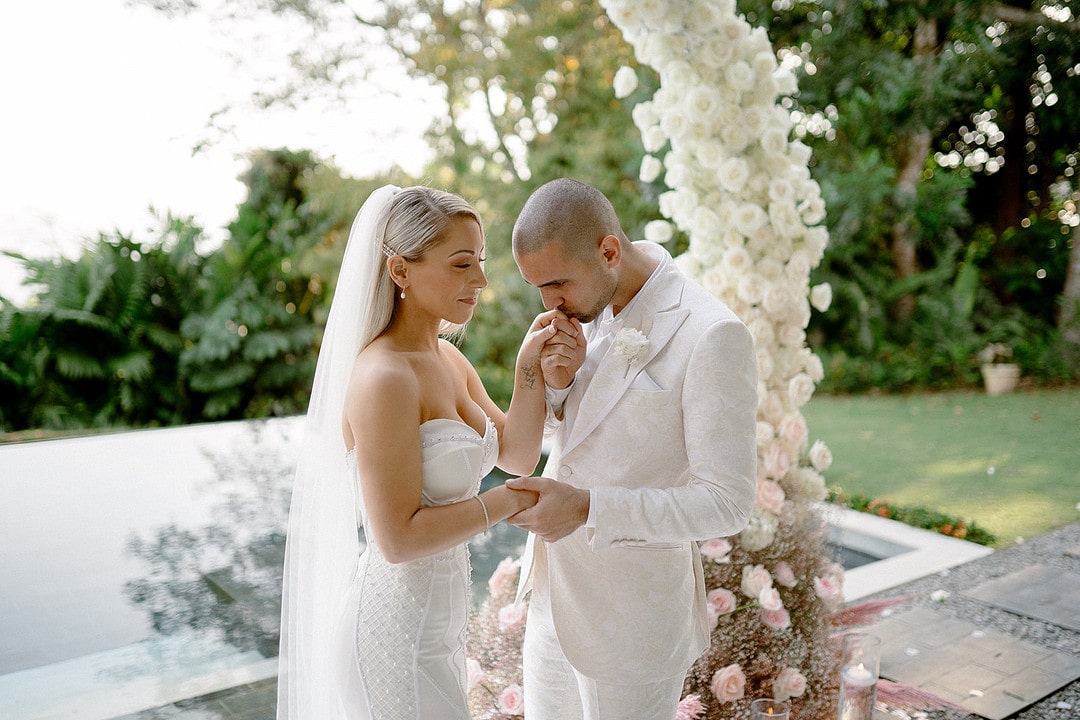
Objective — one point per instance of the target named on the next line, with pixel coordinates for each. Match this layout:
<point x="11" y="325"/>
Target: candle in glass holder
<point x="859" y="676"/>
<point x="769" y="709"/>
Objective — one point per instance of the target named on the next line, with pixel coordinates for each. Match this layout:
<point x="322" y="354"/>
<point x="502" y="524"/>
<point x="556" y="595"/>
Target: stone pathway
<point x="1003" y="641"/>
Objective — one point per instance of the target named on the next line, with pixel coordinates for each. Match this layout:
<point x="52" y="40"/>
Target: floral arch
<point x="741" y="190"/>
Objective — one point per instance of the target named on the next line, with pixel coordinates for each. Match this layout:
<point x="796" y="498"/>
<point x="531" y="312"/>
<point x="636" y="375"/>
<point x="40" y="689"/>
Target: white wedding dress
<point x="404" y="627"/>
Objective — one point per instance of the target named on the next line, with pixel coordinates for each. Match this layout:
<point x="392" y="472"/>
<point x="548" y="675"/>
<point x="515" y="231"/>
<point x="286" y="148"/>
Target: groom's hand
<point x="561" y="509"/>
<point x="563" y="353"/>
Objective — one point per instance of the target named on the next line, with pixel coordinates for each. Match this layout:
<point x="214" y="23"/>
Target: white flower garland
<point x="742" y="192"/>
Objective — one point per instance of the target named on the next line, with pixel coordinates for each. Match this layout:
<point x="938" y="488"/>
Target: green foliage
<point x="915" y="516"/>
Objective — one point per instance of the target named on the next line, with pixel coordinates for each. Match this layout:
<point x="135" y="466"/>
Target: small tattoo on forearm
<point x="528" y="376"/>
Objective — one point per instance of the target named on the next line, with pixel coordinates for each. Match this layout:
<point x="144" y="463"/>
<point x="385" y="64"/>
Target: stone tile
<point x="1038" y="591"/>
<point x="971" y="677"/>
<point x="988" y="672"/>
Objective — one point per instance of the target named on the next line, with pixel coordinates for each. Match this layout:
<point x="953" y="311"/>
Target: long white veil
<point x="322" y="545"/>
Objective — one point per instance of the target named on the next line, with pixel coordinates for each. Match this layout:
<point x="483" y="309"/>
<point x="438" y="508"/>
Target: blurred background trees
<point x="943" y="136"/>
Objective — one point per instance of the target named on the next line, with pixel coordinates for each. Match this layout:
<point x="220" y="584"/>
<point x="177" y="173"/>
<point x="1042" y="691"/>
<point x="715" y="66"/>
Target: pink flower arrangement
<point x="784" y="575"/>
<point x="788" y="684"/>
<point x="717" y="550"/>
<point x="755" y="578"/>
<point x="776" y="619"/>
<point x="770" y="496"/>
<point x="728" y="683"/>
<point x="690" y="708"/>
<point x="511" y="700"/>
<point x="512" y="617"/>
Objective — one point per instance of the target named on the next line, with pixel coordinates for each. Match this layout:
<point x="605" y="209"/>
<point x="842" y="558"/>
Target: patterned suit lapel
<point x="658" y="320"/>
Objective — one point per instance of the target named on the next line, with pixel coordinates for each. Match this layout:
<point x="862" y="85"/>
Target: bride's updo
<point x="416" y="220"/>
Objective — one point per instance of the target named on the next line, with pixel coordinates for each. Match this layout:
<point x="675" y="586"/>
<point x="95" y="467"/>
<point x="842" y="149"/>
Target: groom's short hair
<point x="571" y="212"/>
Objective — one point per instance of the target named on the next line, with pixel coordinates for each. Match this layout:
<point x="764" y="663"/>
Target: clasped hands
<point x="560" y="509"/>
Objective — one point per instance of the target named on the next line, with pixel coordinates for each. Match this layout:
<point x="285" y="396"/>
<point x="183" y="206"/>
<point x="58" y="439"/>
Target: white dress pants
<point x="554" y="690"/>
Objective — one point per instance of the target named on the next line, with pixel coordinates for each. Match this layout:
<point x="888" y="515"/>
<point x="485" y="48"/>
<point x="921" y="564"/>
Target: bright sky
<point x="102" y="104"/>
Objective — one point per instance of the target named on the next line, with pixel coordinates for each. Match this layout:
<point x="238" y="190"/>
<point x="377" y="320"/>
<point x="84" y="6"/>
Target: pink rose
<point x="776" y="619"/>
<point x="505" y="574"/>
<point x="788" y="684"/>
<point x="512" y="617"/>
<point x="794" y="431"/>
<point x="511" y="700"/>
<point x="770" y="496"/>
<point x="474" y="673"/>
<point x="769" y="599"/>
<point x="784" y="575"/>
<point x="721" y="600"/>
<point x="826" y="588"/>
<point x="690" y="708"/>
<point x="776" y="461"/>
<point x="717" y="550"/>
<point x="820" y="456"/>
<point x="755" y="578"/>
<point x="728" y="683"/>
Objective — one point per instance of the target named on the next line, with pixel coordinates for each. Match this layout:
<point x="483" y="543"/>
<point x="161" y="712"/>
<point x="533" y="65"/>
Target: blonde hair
<point x="415" y="221"/>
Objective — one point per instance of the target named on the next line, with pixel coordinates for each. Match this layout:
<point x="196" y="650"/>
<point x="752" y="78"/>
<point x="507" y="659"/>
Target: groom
<point x="653" y="410"/>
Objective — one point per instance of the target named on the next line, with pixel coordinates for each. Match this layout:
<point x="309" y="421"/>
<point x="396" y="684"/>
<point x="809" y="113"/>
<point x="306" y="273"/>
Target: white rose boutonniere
<point x="631" y="344"/>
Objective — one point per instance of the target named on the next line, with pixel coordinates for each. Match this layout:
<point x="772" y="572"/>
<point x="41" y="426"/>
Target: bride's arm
<point x="382" y="417"/>
<point x="521" y="428"/>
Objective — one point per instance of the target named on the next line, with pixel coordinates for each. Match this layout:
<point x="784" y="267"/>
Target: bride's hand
<point x="562" y="351"/>
<point x="525" y="499"/>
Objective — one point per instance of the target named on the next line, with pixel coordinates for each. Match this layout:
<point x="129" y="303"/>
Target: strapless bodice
<point x="455" y="459"/>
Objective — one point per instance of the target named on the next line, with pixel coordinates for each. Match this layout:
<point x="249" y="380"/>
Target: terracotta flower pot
<point x="1000" y="378"/>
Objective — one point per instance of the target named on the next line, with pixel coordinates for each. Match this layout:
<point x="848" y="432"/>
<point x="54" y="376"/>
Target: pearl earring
<point x="402" y="295"/>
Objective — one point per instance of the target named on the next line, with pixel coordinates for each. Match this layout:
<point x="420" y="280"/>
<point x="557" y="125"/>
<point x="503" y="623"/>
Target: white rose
<point x="740" y="75"/>
<point x="780" y="190"/>
<point x="769" y="599"/>
<point x="800" y="390"/>
<point x="821" y="296"/>
<point x="679" y="205"/>
<point x="658" y="231"/>
<point x="791" y="336"/>
<point x="812" y="211"/>
<point x="816" y="240"/>
<point x="734" y="173"/>
<point x="755" y="578"/>
<point x="675" y="123"/>
<point x="735" y="259"/>
<point x="764" y="63"/>
<point x="735" y="137"/>
<point x="776" y="300"/>
<point x="705" y="223"/>
<point x="813" y="367"/>
<point x="678" y="173"/>
<point x="650" y="168"/>
<point x="751" y="288"/>
<point x="785" y="219"/>
<point x="653" y="139"/>
<point x="677" y="74"/>
<point x="786" y="84"/>
<point x="772" y="409"/>
<point x="774" y="141"/>
<point x="761" y="328"/>
<point x="749" y="218"/>
<point x="820" y="456"/>
<point x="759" y="533"/>
<point x="765" y="364"/>
<point x="704" y="104"/>
<point x="711" y="153"/>
<point x="645" y="115"/>
<point x="755" y="119"/>
<point x="799" y="153"/>
<point x="764" y="433"/>
<point x="808" y="482"/>
<point x="715" y="52"/>
<point x="734" y="29"/>
<point x="626" y="81"/>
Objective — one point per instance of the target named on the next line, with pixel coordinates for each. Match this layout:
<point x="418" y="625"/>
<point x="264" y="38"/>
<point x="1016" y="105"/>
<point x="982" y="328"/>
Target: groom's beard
<point x="607" y="291"/>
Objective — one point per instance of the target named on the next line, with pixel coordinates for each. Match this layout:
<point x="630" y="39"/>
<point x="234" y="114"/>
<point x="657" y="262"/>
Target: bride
<point x="398" y="435"/>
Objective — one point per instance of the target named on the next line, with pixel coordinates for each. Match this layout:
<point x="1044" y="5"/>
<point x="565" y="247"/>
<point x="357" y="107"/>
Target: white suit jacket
<point x="666" y="446"/>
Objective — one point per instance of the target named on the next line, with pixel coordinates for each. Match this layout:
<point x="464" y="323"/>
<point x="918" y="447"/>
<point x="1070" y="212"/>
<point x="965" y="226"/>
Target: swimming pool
<point x="144" y="567"/>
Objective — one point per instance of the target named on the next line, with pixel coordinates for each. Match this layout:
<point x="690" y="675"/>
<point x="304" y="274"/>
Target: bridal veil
<point x="322" y="545"/>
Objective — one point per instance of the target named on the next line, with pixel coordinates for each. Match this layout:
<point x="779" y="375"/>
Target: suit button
<point x="565" y="471"/>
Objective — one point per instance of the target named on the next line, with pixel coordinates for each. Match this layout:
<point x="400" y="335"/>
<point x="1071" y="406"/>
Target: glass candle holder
<point x="859" y="667"/>
<point x="769" y="709"/>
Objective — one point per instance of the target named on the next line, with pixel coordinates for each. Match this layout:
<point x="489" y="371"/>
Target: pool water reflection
<point x="144" y="567"/>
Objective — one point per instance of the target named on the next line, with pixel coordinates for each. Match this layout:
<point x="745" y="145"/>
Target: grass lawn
<point x="1011" y="463"/>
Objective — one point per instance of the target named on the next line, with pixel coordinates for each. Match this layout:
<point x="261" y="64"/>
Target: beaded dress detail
<point x="408" y="619"/>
